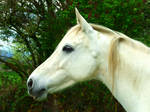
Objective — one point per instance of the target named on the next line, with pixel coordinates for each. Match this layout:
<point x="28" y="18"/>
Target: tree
<point x="25" y="20"/>
<point x="38" y="25"/>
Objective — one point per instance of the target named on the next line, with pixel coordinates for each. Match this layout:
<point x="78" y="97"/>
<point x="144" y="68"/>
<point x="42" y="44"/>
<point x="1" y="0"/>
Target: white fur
<point x="89" y="60"/>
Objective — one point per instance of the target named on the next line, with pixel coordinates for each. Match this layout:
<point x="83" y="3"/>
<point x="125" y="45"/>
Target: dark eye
<point x="68" y="48"/>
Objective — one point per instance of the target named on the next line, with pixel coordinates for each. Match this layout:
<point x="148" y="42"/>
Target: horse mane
<point x="113" y="58"/>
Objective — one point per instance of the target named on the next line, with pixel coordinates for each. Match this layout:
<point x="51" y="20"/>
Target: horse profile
<point x="90" y="51"/>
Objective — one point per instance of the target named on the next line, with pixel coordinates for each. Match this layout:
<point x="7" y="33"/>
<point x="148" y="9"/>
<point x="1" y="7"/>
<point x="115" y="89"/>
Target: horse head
<point x="74" y="60"/>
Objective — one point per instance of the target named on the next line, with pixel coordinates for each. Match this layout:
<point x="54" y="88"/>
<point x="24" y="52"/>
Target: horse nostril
<point x="30" y="83"/>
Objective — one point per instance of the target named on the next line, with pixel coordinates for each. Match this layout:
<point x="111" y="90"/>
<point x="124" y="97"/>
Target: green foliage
<point x="9" y="78"/>
<point x="86" y="96"/>
<point x="3" y="66"/>
<point x="37" y="31"/>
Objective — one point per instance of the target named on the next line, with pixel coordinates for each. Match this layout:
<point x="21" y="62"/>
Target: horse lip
<point x="37" y="94"/>
<point x="40" y="97"/>
<point x="34" y="97"/>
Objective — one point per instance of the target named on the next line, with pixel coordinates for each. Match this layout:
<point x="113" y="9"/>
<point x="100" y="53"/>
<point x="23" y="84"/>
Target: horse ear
<point x="85" y="26"/>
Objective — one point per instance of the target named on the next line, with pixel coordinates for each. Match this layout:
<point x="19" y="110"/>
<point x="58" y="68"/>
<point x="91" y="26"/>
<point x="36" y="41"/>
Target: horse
<point x="89" y="51"/>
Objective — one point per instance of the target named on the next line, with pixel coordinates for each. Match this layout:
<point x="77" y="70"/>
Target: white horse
<point x="90" y="51"/>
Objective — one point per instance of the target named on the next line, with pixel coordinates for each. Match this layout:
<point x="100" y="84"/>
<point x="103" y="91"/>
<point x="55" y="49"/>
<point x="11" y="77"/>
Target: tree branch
<point x="27" y="45"/>
<point x="14" y="68"/>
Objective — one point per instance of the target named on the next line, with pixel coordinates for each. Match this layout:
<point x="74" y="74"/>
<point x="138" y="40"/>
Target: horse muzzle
<point x="35" y="91"/>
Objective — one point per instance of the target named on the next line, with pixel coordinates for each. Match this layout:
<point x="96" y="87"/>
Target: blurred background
<point x="31" y="29"/>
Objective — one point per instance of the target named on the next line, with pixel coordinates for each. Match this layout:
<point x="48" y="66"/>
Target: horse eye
<point x="68" y="48"/>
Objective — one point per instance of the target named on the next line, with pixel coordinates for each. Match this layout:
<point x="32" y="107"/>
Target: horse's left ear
<point x="85" y="26"/>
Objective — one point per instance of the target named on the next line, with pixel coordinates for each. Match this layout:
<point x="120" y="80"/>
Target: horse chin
<point x="41" y="98"/>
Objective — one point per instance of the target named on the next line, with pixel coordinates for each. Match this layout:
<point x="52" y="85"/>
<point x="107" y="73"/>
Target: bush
<point x="130" y="17"/>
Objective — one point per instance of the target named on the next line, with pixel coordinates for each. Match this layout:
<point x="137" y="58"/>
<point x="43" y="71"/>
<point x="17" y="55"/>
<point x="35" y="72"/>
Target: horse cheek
<point x="83" y="69"/>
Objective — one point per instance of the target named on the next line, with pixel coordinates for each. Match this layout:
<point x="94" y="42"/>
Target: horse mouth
<point x="38" y="95"/>
<point x="44" y="95"/>
<point x="40" y="98"/>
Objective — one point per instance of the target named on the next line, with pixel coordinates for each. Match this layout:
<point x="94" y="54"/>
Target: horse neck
<point x="132" y="77"/>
